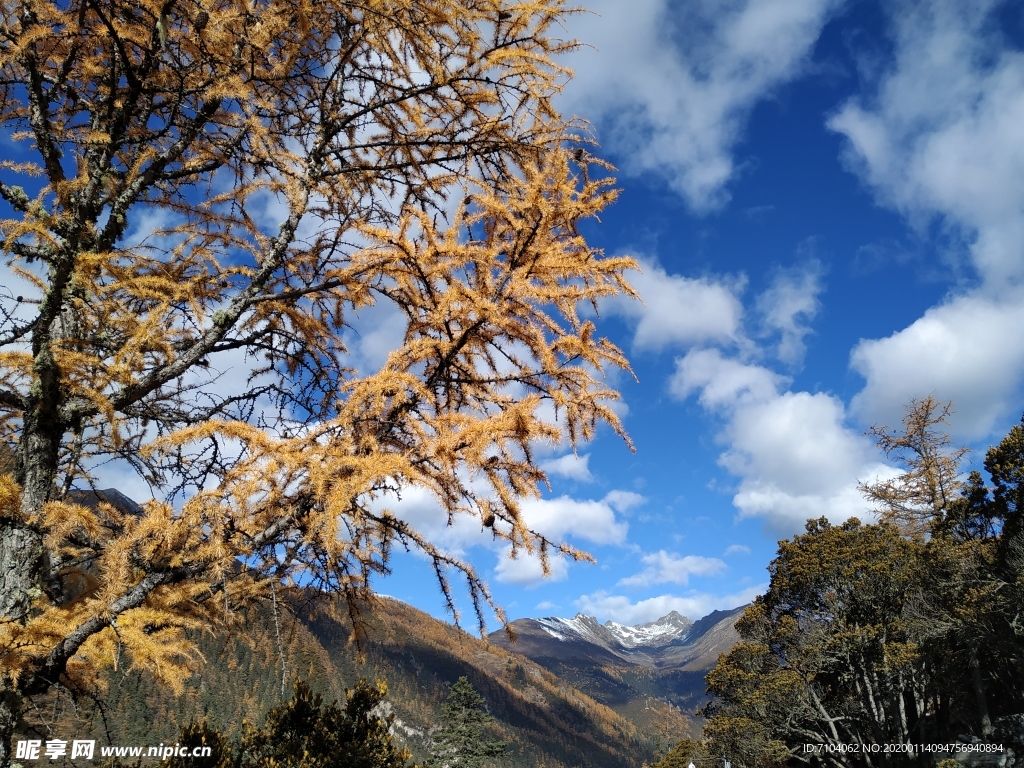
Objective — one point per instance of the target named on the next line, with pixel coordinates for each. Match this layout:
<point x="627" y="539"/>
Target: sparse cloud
<point x="737" y="549"/>
<point x="787" y="307"/>
<point x="695" y="72"/>
<point x="695" y="605"/>
<point x="669" y="568"/>
<point x="570" y="466"/>
<point x="679" y="311"/>
<point x="623" y="501"/>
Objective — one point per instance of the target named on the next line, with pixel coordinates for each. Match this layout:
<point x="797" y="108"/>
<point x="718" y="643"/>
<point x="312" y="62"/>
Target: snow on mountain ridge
<point x="658" y="633"/>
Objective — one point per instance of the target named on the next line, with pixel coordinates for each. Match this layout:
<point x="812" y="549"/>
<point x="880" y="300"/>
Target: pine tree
<point x="461" y="742"/>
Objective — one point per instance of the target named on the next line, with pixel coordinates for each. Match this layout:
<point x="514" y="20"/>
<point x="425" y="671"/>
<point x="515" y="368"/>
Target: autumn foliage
<point x="213" y="190"/>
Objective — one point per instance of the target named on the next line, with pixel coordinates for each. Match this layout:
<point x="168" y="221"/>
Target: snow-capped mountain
<point x="620" y="637"/>
<point x="671" y="641"/>
<point x="619" y="665"/>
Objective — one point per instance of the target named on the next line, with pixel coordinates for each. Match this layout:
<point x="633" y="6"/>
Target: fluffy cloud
<point x="570" y="466"/>
<point x="723" y="382"/>
<point x="694" y="606"/>
<point x="419" y="508"/>
<point x="968" y="350"/>
<point x="594" y="522"/>
<point x="669" y="568"/>
<point x="623" y="501"/>
<point x="939" y="140"/>
<point x="793" y="452"/>
<point x="942" y="133"/>
<point x="696" y="70"/>
<point x="588" y="520"/>
<point x="526" y="569"/>
<point x="678" y="310"/>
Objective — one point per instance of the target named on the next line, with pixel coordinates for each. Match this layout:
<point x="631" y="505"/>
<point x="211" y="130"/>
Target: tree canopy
<point x="904" y="631"/>
<point x="307" y="733"/>
<point x="205" y="198"/>
<point x="461" y="741"/>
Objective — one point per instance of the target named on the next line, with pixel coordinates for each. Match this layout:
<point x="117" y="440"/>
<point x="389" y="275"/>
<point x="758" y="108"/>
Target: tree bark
<point x="979" y="695"/>
<point x="10" y="710"/>
<point x="21" y="557"/>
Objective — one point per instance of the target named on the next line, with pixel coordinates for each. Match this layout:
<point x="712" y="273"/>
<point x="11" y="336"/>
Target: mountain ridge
<point x="620" y="665"/>
<point x="547" y="721"/>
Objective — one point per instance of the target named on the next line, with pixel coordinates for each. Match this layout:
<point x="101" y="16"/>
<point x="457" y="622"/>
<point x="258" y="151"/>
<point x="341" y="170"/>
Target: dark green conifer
<point x="461" y="742"/>
<point x="306" y="733"/>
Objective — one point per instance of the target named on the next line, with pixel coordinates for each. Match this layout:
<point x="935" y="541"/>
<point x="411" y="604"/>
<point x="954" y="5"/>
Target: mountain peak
<point x="671" y="619"/>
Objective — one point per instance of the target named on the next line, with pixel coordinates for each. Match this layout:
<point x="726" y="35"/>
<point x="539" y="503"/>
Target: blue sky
<point x="828" y="202"/>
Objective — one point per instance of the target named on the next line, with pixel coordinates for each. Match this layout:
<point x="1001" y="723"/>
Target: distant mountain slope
<point x="630" y="669"/>
<point x="547" y="721"/>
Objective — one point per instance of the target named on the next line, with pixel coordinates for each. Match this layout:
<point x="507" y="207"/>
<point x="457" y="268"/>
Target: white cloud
<point x="797" y="459"/>
<point x="969" y="350"/>
<point x="942" y="133"/>
<point x="793" y="452"/>
<point x="669" y="568"/>
<point x="678" y="310"/>
<point x="588" y="520"/>
<point x="526" y="570"/>
<point x="939" y="141"/>
<point x="623" y="501"/>
<point x="695" y="71"/>
<point x="420" y="508"/>
<point x="570" y="466"/>
<point x="787" y="306"/>
<point x="798" y="439"/>
<point x="546" y="605"/>
<point x="737" y="549"/>
<point x="696" y="605"/>
<point x="375" y="332"/>
<point x="722" y="382"/>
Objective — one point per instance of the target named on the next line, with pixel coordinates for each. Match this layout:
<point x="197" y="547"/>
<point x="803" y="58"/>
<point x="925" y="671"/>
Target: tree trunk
<point x="10" y="709"/>
<point x="979" y="695"/>
<point x="21" y="557"/>
<point x="22" y="554"/>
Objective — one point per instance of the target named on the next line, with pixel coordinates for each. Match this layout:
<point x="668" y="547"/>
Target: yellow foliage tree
<point x="201" y="187"/>
<point x="915" y="499"/>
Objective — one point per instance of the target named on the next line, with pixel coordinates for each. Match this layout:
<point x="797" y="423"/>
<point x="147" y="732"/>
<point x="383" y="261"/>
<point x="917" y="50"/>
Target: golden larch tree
<point x="194" y="188"/>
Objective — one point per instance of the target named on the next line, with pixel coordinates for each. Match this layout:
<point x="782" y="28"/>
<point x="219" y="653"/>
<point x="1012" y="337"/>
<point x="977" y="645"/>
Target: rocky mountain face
<point x="630" y="668"/>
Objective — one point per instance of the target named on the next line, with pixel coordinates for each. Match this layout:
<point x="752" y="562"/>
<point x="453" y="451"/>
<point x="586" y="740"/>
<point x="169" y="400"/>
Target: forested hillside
<point x="546" y="721"/>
